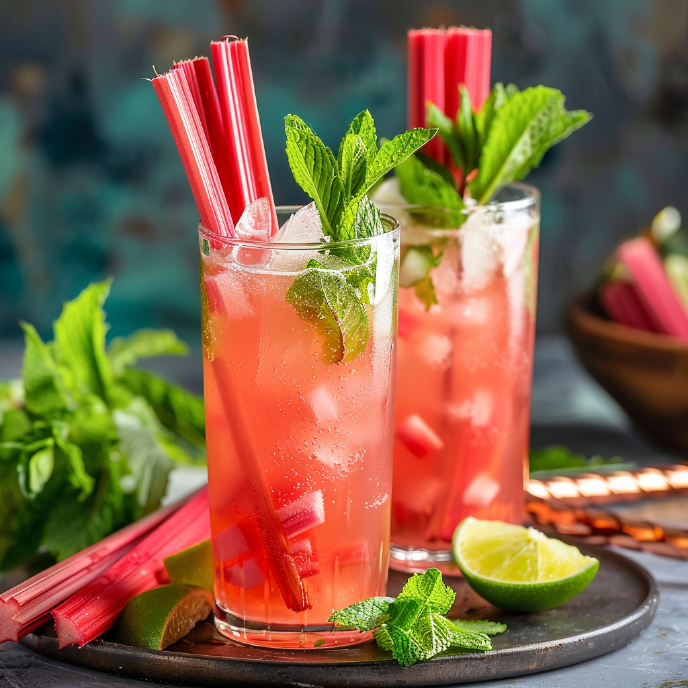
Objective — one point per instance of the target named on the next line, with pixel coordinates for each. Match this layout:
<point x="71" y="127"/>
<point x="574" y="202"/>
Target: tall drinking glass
<point x="299" y="391"/>
<point x="464" y="369"/>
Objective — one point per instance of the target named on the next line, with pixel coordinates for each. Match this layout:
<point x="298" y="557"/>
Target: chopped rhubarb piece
<point x="95" y="608"/>
<point x="305" y="557"/>
<point x="653" y="287"/>
<point x="354" y="553"/>
<point x="622" y="304"/>
<point x="418" y="437"/>
<point x="28" y="605"/>
<point x="426" y="81"/>
<point x="302" y="514"/>
<point x="407" y="323"/>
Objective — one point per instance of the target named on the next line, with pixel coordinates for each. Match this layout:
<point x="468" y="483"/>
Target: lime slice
<point x="192" y="566"/>
<point x="159" y="617"/>
<point x="520" y="569"/>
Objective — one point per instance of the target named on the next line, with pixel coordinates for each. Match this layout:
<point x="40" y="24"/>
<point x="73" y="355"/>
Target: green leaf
<point x="36" y="469"/>
<point x="315" y="170"/>
<point x="480" y="626"/>
<point x="15" y="424"/>
<point x="483" y="120"/>
<point x="323" y="298"/>
<point x="445" y="126"/>
<point x="429" y="588"/>
<point x="42" y="382"/>
<point x="471" y="640"/>
<point x="125" y="351"/>
<point x="466" y="129"/>
<point x="80" y="343"/>
<point x="178" y="410"/>
<point x="78" y="476"/>
<point x="423" y="186"/>
<point x="394" y="152"/>
<point x="140" y="432"/>
<point x="363" y="125"/>
<point x="361" y="219"/>
<point x="365" y="616"/>
<point x="522" y="130"/>
<point x="351" y="161"/>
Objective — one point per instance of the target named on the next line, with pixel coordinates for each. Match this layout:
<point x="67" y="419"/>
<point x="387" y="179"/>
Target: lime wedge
<point x="520" y="569"/>
<point x="159" y="617"/>
<point x="192" y="566"/>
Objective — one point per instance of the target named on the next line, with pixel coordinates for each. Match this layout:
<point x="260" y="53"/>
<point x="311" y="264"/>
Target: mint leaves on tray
<point x="413" y="627"/>
<point x="331" y="293"/>
<point x="86" y="441"/>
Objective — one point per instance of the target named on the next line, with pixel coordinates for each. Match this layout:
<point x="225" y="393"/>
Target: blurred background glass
<point x="91" y="184"/>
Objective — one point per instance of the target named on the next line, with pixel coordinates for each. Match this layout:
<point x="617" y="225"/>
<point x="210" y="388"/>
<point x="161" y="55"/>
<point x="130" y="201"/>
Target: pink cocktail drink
<point x="464" y="365"/>
<point x="299" y="436"/>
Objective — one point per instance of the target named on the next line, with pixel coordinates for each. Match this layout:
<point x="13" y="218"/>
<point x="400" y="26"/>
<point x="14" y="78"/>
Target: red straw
<point x="426" y="48"/>
<point x="186" y="127"/>
<point x="467" y="61"/>
<point x="248" y="164"/>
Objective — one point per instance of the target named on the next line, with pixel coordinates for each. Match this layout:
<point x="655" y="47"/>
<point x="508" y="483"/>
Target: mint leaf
<point x="423" y="186"/>
<point x="125" y="351"/>
<point x="178" y="410"/>
<point x="483" y="119"/>
<point x="35" y="470"/>
<point x="466" y="128"/>
<point x="480" y="626"/>
<point x="78" y="476"/>
<point x="363" y="125"/>
<point x="431" y="590"/>
<point x="80" y="343"/>
<point x="522" y="130"/>
<point x="447" y="131"/>
<point x="471" y="640"/>
<point x="365" y="616"/>
<point x="140" y="436"/>
<point x="42" y="382"/>
<point x="394" y="152"/>
<point x="315" y="170"/>
<point x="361" y="219"/>
<point x="352" y="162"/>
<point x="323" y="298"/>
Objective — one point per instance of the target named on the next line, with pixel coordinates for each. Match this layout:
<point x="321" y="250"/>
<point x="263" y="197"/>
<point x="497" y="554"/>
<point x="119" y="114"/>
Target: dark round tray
<point x="618" y="605"/>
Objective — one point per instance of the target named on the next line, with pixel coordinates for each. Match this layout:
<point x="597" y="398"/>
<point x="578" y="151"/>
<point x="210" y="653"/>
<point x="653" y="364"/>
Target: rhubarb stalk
<point x="468" y="56"/>
<point x="248" y="164"/>
<point x="426" y="82"/>
<point x="622" y="304"/>
<point x="95" y="608"/>
<point x="187" y="129"/>
<point x="28" y="605"/>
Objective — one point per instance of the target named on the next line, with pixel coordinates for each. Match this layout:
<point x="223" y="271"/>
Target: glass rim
<point x="531" y="198"/>
<point x="388" y="221"/>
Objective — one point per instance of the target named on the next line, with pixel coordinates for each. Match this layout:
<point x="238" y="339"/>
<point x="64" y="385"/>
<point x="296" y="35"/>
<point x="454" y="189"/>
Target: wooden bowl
<point x="646" y="373"/>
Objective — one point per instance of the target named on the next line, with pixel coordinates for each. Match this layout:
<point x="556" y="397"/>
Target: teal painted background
<point x="91" y="184"/>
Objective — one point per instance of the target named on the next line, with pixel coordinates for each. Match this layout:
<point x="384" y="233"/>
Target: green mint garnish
<point x="521" y="131"/>
<point x="480" y="626"/>
<point x="560" y="458"/>
<point x="325" y="297"/>
<point x="413" y="627"/>
<point x="87" y="441"/>
<point x="414" y="271"/>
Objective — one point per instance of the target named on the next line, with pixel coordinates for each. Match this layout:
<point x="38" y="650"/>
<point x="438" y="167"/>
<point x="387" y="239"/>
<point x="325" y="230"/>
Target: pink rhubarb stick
<point x="28" y="605"/>
<point x="653" y="287"/>
<point x="95" y="608"/>
<point x="622" y="304"/>
<point x="426" y="82"/>
<point x="418" y="437"/>
<point x="468" y="58"/>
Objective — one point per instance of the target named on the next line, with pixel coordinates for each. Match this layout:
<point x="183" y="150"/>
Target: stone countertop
<point x="568" y="408"/>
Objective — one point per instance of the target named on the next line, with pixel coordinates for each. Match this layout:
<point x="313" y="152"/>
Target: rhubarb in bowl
<point x="645" y="372"/>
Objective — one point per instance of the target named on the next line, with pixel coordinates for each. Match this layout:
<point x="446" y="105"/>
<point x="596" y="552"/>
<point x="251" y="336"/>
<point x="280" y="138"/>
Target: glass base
<point x="286" y="636"/>
<point x="417" y="560"/>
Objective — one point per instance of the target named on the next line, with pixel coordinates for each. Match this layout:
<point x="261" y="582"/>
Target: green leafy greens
<point x="332" y="296"/>
<point x="559" y="459"/>
<point x="86" y="441"/>
<point x="413" y="627"/>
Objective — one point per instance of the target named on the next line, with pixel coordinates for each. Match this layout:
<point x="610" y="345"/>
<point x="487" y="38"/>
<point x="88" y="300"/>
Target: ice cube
<point x="323" y="405"/>
<point x="481" y="491"/>
<point x="254" y="224"/>
<point x="226" y="295"/>
<point x="418" y="437"/>
<point x="482" y="408"/>
<point x="480" y="251"/>
<point x="303" y="227"/>
<point x="435" y="350"/>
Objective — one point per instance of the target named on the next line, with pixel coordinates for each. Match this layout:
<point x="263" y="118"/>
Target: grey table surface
<point x="567" y="408"/>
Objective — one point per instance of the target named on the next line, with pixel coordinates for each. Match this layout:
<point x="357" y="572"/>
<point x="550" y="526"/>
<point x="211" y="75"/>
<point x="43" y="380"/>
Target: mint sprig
<point x="413" y="627"/>
<point x="87" y="441"/>
<point x="332" y="297"/>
